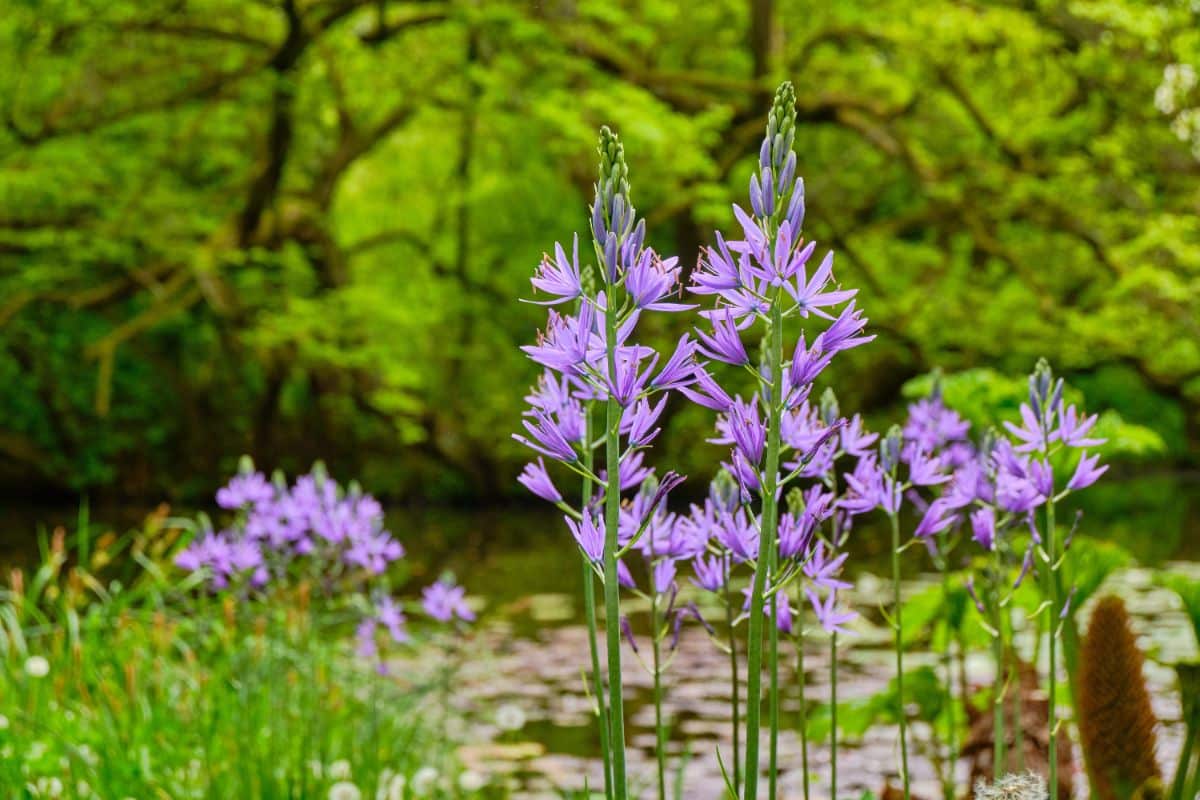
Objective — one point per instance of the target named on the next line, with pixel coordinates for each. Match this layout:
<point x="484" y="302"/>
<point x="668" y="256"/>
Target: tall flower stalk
<point x="764" y="278"/>
<point x="590" y="361"/>
<point x="589" y="611"/>
<point x="898" y="630"/>
<point x="1048" y="427"/>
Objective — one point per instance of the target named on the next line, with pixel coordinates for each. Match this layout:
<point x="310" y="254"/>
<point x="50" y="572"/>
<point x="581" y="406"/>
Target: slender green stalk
<point x="800" y="678"/>
<point x="1018" y="725"/>
<point x="589" y="611"/>
<point x="773" y="694"/>
<point x="660" y="732"/>
<point x="1186" y="754"/>
<point x="1052" y="612"/>
<point x="736" y="684"/>
<point x="833" y="722"/>
<point x="898" y="625"/>
<point x="948" y="666"/>
<point x="999" y="735"/>
<point x="766" y="546"/>
<point x="1185" y="760"/>
<point x="612" y="600"/>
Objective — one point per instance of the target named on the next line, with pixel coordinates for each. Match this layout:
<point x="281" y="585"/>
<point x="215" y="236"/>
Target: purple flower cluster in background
<point x="275" y="526"/>
<point x="315" y="529"/>
<point x="991" y="487"/>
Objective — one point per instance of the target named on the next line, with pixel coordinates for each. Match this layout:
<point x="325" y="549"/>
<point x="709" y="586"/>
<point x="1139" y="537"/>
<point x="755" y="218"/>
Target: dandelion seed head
<point x="344" y="790"/>
<point x="37" y="667"/>
<point x="424" y="781"/>
<point x="510" y="717"/>
<point x="1027" y="786"/>
<point x="472" y="781"/>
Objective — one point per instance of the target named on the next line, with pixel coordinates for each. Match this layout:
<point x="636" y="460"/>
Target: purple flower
<point x="807" y="363"/>
<point x="372" y="550"/>
<point x="630" y="471"/>
<point x="712" y="572"/>
<point x="844" y="333"/>
<point x="856" y="441"/>
<point x="1017" y="494"/>
<point x="535" y="478"/>
<point x="717" y="271"/>
<point x="738" y="534"/>
<point x="1086" y="472"/>
<point x="1073" y="429"/>
<point x="589" y="535"/>
<point x="925" y="470"/>
<point x="638" y="420"/>
<point x="246" y="489"/>
<point x="559" y="277"/>
<point x="548" y="439"/>
<point x="564" y="346"/>
<point x="931" y="425"/>
<point x="649" y="280"/>
<point x="444" y="601"/>
<point x="823" y="571"/>
<point x="810" y="296"/>
<point x="1031" y="433"/>
<point x="938" y="517"/>
<point x="726" y="343"/>
<point x="706" y="392"/>
<point x="1041" y="475"/>
<point x="624" y="576"/>
<point x="391" y="616"/>
<point x="870" y="488"/>
<point x="828" y="616"/>
<point x="664" y="575"/>
<point x="679" y="371"/>
<point x="743" y="428"/>
<point x="983" y="527"/>
<point x="796" y="531"/>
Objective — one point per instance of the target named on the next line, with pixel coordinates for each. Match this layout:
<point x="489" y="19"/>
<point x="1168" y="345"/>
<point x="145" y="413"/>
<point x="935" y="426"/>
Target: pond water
<point x="532" y="647"/>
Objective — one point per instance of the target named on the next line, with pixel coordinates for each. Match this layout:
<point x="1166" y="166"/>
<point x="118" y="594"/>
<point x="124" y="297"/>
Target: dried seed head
<point x="1013" y="787"/>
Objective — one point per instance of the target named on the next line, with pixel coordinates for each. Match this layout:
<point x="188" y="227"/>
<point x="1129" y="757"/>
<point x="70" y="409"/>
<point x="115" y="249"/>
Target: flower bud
<point x="830" y="411"/>
<point x="889" y="449"/>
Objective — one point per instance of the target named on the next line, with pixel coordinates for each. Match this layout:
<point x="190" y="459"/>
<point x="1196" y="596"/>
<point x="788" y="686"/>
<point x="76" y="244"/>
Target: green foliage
<point x="1087" y="564"/>
<point x="299" y="229"/>
<point x="923" y="691"/>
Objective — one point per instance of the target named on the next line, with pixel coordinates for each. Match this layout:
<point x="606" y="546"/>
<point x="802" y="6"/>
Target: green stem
<point x="948" y="667"/>
<point x="589" y="611"/>
<point x="766" y="546"/>
<point x="897" y="622"/>
<point x="773" y="694"/>
<point x="660" y="732"/>
<point x="733" y="677"/>
<point x="1185" y="760"/>
<point x="999" y="735"/>
<point x="800" y="678"/>
<point x="612" y="600"/>
<point x="1052" y="612"/>
<point x="833" y="721"/>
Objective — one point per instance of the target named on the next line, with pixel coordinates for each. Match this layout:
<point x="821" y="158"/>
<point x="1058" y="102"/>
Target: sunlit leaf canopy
<point x="299" y="228"/>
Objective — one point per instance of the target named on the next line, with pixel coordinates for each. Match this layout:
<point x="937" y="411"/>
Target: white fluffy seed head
<point x="344" y="790"/>
<point x="1027" y="786"/>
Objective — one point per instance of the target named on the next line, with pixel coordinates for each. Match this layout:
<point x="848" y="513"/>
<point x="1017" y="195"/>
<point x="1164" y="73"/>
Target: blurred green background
<point x="299" y="228"/>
